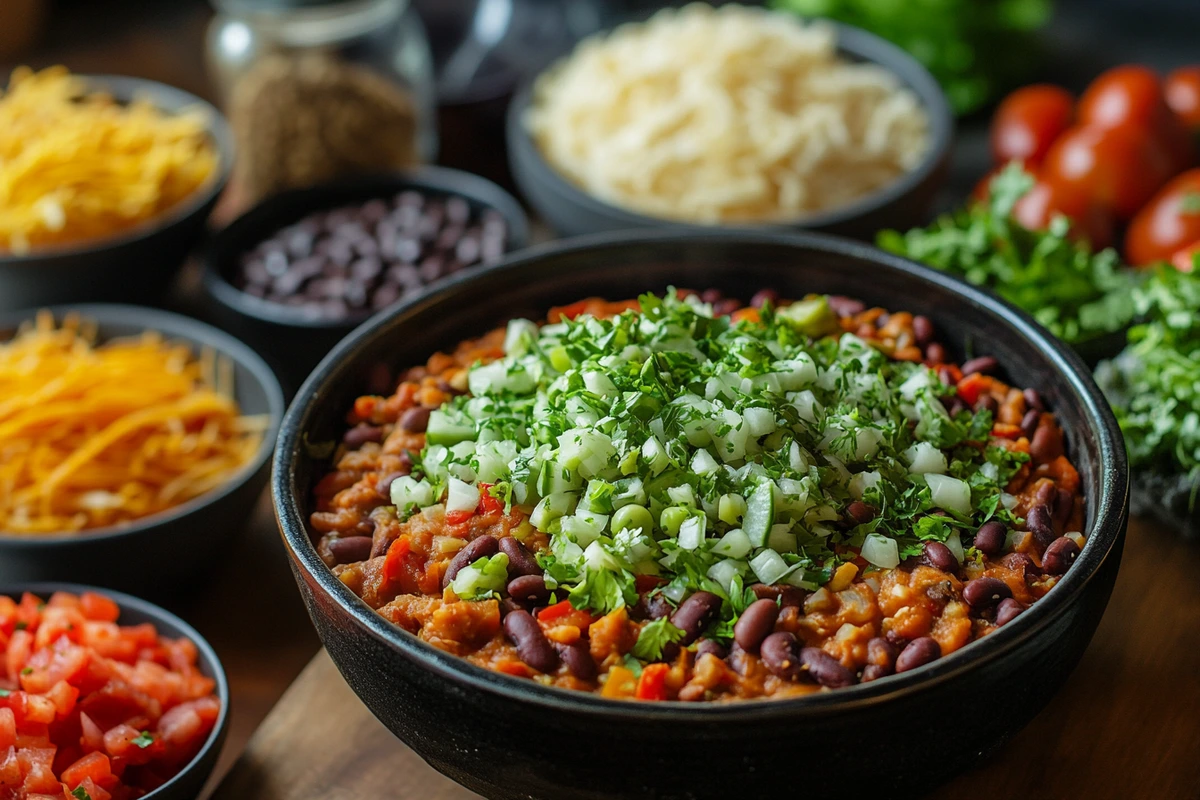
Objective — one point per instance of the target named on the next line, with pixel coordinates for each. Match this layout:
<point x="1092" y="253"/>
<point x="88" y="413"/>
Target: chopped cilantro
<point x="4" y="692"/>
<point x="80" y="793"/>
<point x="144" y="739"/>
<point x="27" y="671"/>
<point x="654" y="637"/>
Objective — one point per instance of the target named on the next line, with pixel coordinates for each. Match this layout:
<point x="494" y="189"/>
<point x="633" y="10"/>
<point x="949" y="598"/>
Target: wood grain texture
<point x="1127" y="725"/>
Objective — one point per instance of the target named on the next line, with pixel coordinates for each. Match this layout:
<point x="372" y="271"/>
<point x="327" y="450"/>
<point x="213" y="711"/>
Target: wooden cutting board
<point x="1126" y="726"/>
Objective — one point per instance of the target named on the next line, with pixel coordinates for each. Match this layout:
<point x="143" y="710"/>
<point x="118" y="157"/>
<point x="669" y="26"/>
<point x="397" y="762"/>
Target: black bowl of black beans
<point x="299" y="271"/>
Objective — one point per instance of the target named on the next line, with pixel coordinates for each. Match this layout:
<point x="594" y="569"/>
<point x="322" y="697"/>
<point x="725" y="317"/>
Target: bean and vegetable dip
<point x="686" y="498"/>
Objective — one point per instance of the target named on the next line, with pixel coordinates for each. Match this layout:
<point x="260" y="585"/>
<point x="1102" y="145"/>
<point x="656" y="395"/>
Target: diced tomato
<point x="186" y="726"/>
<point x="393" y="564"/>
<point x="971" y="386"/>
<point x="458" y="517"/>
<point x="93" y="791"/>
<point x="37" y="765"/>
<point x="1005" y="431"/>
<point x="515" y="668"/>
<point x="487" y="503"/>
<point x="10" y="768"/>
<point x="92" y="738"/>
<point x="20" y="647"/>
<point x="94" y="765"/>
<point x="98" y="607"/>
<point x="121" y="743"/>
<point x="563" y="613"/>
<point x="64" y="697"/>
<point x="8" y="730"/>
<point x="652" y="685"/>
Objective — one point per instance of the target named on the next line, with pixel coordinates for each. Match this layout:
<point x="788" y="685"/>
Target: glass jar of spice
<point x="317" y="89"/>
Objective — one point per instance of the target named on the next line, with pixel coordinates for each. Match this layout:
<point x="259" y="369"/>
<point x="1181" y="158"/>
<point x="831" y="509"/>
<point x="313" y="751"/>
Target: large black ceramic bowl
<point x="191" y="779"/>
<point x="293" y="341"/>
<point x="137" y="265"/>
<point x="572" y="211"/>
<point x="170" y="551"/>
<point x="510" y="738"/>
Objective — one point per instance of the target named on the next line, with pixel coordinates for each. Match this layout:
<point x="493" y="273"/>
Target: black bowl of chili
<point x="495" y="733"/>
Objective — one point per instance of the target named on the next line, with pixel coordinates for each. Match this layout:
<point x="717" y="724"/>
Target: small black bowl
<point x="186" y="785"/>
<point x="571" y="210"/>
<point x="504" y="737"/>
<point x="171" y="551"/>
<point x="292" y="341"/>
<point x="137" y="265"/>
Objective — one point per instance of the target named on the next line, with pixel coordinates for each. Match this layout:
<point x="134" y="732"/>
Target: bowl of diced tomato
<point x="104" y="697"/>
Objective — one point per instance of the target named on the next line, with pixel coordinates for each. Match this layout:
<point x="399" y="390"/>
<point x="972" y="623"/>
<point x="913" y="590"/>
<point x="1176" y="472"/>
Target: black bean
<point x="578" y="659"/>
<point x="415" y="419"/>
<point x="939" y="556"/>
<point x="1034" y="400"/>
<point x="845" y="306"/>
<point x="990" y="537"/>
<point x="1007" y="611"/>
<point x="482" y="547"/>
<point x="935" y="353"/>
<point x="860" y="512"/>
<point x="1039" y="522"/>
<point x="987" y="403"/>
<point x="764" y="296"/>
<point x="982" y="364"/>
<point x="362" y="433"/>
<point x="1029" y="423"/>
<point x="710" y="647"/>
<point x="694" y="614"/>
<point x="918" y="653"/>
<point x="922" y="330"/>
<point x="528" y="587"/>
<point x="825" y="669"/>
<point x="985" y="592"/>
<point x="351" y="549"/>
<point x="755" y="623"/>
<point x="1059" y="556"/>
<point x="781" y="655"/>
<point x="532" y="647"/>
<point x="520" y="560"/>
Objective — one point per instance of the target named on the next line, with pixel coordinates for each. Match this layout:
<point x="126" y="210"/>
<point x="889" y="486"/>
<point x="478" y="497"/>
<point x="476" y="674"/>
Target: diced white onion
<point x="924" y="458"/>
<point x="949" y="493"/>
<point x="461" y="496"/>
<point x="881" y="551"/>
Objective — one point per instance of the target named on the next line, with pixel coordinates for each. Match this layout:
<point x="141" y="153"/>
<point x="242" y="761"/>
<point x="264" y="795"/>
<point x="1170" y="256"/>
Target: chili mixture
<point x="686" y="498"/>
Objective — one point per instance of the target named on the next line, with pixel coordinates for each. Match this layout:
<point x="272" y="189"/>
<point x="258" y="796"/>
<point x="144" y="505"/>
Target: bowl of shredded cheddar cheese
<point x="105" y="185"/>
<point x="133" y="444"/>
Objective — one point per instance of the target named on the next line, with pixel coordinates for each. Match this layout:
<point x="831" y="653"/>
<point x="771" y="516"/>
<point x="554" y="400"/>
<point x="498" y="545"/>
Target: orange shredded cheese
<point x="77" y="166"/>
<point x="92" y="436"/>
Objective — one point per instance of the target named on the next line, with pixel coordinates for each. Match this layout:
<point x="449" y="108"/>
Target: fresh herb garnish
<point x="27" y="671"/>
<point x="80" y="793"/>
<point x="144" y="739"/>
<point x="4" y="692"/>
<point x="654" y="637"/>
<point x="1074" y="292"/>
<point x="21" y="625"/>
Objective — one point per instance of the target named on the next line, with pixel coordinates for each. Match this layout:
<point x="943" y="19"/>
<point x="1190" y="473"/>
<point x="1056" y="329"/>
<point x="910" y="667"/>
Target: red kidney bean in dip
<point x="682" y="498"/>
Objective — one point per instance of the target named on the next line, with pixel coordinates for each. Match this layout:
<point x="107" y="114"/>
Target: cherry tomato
<point x="1118" y="168"/>
<point x="1028" y="121"/>
<point x="1132" y="95"/>
<point x="1089" y="222"/>
<point x="1169" y="221"/>
<point x="1182" y="90"/>
<point x="1184" y="259"/>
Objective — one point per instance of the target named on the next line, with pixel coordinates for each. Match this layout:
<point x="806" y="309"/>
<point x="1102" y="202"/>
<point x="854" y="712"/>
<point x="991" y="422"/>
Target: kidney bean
<point x="520" y="560"/>
<point x="985" y="592"/>
<point x="508" y="605"/>
<point x="1040" y="524"/>
<point x="873" y="672"/>
<point x="528" y="587"/>
<point x="1064" y="504"/>
<point x="1059" y="556"/>
<point x="656" y="606"/>
<point x="1019" y="562"/>
<point x="712" y="295"/>
<point x="1029" y="423"/>
<point x="882" y="653"/>
<point x="755" y="623"/>
<point x="710" y="647"/>
<point x="1046" y="444"/>
<point x="483" y="547"/>
<point x="694" y="613"/>
<point x="987" y="403"/>
<point x="955" y="405"/>
<point x="351" y="549"/>
<point x="825" y="669"/>
<point x="723" y="308"/>
<point x="935" y="353"/>
<point x="845" y="306"/>
<point x="918" y="653"/>
<point x="415" y="419"/>
<point x="938" y="555"/>
<point x="362" y="433"/>
<point x="860" y="512"/>
<point x="384" y="484"/>
<point x="945" y="376"/>
<point x="763" y="296"/>
<point x="1034" y="400"/>
<point x="786" y="595"/>
<point x="578" y="659"/>
<point x="922" y="330"/>
<point x="990" y="537"/>
<point x="781" y="655"/>
<point x="982" y="364"/>
<point x="532" y="647"/>
<point x="1046" y="493"/>
<point x="1007" y="611"/>
<point x="895" y="638"/>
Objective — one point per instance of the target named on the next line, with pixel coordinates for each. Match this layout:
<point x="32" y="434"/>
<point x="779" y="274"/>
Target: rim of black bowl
<point x="860" y="45"/>
<point x="1111" y="504"/>
<point x="125" y="88"/>
<point x="158" y="614"/>
<point x="259" y="222"/>
<point x="173" y="327"/>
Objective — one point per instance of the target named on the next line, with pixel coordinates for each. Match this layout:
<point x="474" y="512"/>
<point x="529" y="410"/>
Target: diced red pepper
<point x="563" y="613"/>
<point x="458" y="517"/>
<point x="1006" y="431"/>
<point x="393" y="563"/>
<point x="973" y="385"/>
<point x="487" y="503"/>
<point x="652" y="685"/>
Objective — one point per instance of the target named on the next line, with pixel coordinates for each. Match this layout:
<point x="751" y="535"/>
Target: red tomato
<point x="1117" y="168"/>
<point x="458" y="517"/>
<point x="1089" y="221"/>
<point x="1182" y="90"/>
<point x="487" y="503"/>
<point x="94" y="765"/>
<point x="1184" y="259"/>
<point x="98" y="607"/>
<point x="1132" y="96"/>
<point x="1169" y="221"/>
<point x="652" y="683"/>
<point x="1028" y="121"/>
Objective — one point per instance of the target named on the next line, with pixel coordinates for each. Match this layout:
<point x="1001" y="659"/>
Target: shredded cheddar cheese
<point x="92" y="436"/>
<point x="76" y="166"/>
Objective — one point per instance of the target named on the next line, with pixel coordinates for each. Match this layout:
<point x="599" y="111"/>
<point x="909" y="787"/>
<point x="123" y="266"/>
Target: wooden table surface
<point x="1127" y="725"/>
